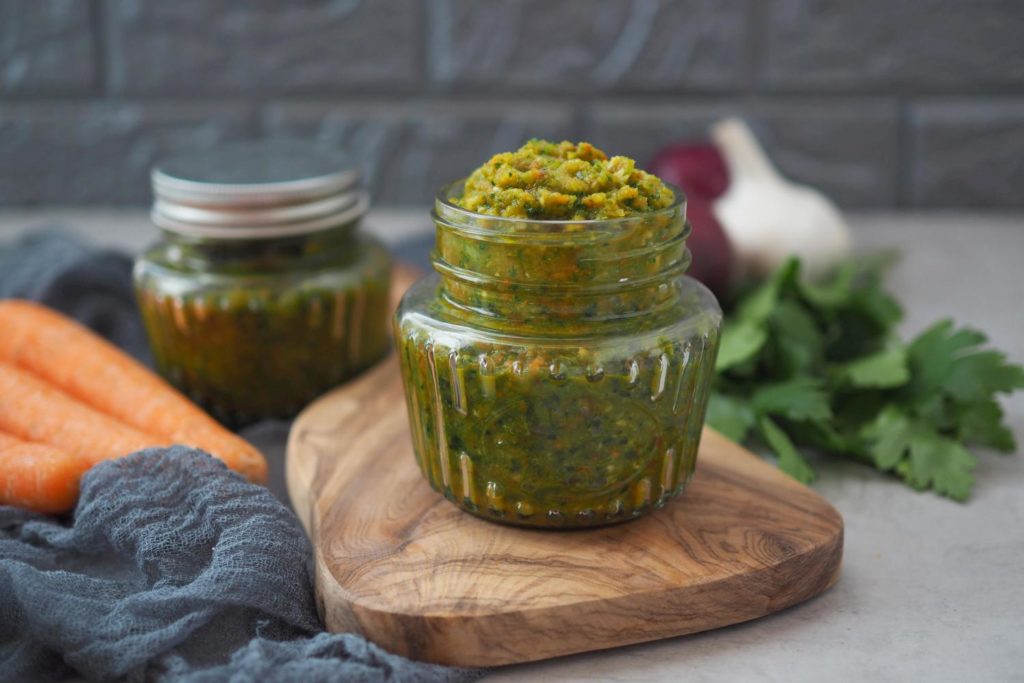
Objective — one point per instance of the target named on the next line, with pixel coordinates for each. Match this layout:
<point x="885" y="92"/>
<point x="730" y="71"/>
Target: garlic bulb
<point x="767" y="218"/>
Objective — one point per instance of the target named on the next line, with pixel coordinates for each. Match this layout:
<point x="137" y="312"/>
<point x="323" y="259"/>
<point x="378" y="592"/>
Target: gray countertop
<point x="930" y="589"/>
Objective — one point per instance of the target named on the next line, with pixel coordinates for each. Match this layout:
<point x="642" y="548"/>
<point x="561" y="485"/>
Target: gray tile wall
<point x="880" y="102"/>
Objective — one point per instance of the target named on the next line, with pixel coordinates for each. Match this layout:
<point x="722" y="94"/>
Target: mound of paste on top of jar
<point x="562" y="181"/>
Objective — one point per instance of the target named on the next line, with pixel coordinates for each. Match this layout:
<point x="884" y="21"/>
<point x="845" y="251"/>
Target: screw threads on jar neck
<point x="537" y="270"/>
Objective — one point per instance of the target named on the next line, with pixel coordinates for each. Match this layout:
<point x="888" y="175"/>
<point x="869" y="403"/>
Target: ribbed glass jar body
<point x="557" y="373"/>
<point x="254" y="329"/>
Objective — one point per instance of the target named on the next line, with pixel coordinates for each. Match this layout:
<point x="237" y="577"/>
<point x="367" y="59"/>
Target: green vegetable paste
<point x="544" y="180"/>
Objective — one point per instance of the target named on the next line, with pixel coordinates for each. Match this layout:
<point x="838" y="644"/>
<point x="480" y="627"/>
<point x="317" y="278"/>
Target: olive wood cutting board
<point x="398" y="563"/>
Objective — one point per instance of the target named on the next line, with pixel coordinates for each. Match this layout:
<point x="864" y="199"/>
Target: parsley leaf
<point x="938" y="462"/>
<point x="731" y="416"/>
<point x="790" y="460"/>
<point x="976" y="376"/>
<point x="797" y="343"/>
<point x="889" y="437"/>
<point x="981" y="422"/>
<point x="739" y="343"/>
<point x="803" y="398"/>
<point x="882" y="370"/>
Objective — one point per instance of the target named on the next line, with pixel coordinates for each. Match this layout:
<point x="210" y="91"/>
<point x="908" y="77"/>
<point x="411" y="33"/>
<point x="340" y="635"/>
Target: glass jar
<point x="262" y="293"/>
<point x="557" y="372"/>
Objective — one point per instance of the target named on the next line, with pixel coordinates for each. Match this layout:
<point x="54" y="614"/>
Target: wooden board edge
<point x="297" y="479"/>
<point x="482" y="641"/>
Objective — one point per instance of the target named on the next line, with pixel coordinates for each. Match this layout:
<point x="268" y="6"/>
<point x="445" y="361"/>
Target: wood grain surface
<point x="400" y="564"/>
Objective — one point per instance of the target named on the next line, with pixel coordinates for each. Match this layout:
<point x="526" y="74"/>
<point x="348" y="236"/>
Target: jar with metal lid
<point x="557" y="372"/>
<point x="262" y="293"/>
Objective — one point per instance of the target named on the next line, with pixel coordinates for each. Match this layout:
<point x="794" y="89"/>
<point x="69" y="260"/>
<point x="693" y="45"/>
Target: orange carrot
<point x="32" y="410"/>
<point x="83" y="365"/>
<point x="38" y="477"/>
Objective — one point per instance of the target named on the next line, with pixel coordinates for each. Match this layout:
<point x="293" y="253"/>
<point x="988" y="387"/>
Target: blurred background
<point x="881" y="103"/>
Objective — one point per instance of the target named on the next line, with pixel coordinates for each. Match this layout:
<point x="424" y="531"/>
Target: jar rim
<point x="483" y="223"/>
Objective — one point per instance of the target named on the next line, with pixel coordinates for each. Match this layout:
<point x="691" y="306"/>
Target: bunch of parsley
<point x="819" y="366"/>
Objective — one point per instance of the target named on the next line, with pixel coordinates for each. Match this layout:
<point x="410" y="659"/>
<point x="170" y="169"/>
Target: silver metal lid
<point x="257" y="190"/>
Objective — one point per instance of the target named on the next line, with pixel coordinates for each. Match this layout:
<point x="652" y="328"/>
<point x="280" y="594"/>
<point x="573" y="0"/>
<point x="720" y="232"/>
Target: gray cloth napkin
<point x="171" y="566"/>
